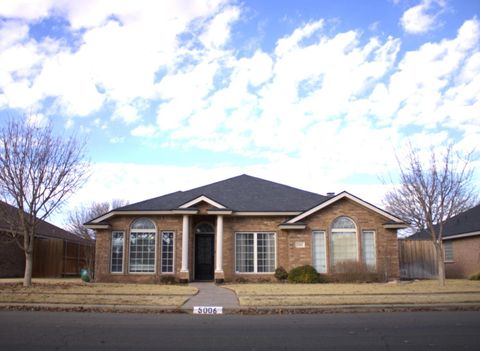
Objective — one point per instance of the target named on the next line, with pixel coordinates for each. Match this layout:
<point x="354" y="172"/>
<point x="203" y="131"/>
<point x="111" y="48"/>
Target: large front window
<point x="142" y="246"/>
<point x="255" y="252"/>
<point x="343" y="241"/>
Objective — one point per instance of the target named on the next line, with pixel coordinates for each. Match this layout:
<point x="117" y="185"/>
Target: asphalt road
<point x="361" y="331"/>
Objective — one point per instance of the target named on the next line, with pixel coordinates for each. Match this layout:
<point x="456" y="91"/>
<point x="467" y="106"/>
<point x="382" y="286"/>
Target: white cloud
<point x="423" y="17"/>
<point x="144" y="131"/>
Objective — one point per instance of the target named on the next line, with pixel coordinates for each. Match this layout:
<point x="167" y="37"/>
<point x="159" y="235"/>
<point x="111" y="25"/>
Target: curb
<point x="243" y="310"/>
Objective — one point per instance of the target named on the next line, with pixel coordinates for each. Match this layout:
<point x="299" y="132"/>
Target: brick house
<point x="461" y="243"/>
<point x="242" y="227"/>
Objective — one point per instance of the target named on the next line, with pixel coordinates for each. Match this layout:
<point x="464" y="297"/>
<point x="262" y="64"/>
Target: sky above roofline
<point x="171" y="95"/>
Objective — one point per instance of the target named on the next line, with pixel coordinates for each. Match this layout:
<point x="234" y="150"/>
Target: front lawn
<point x="74" y="291"/>
<point x="418" y="292"/>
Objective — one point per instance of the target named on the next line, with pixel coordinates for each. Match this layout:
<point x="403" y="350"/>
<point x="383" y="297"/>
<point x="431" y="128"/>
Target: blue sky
<point x="171" y="95"/>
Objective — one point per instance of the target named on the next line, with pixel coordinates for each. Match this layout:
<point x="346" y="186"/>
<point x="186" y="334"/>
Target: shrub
<point x="474" y="276"/>
<point x="281" y="274"/>
<point x="353" y="272"/>
<point x="304" y="274"/>
<point x="168" y="279"/>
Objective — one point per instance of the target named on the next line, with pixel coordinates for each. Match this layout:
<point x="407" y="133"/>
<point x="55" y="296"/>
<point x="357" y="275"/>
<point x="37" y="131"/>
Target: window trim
<point x="173" y="251"/>
<point x="326" y="250"/>
<point x="343" y="230"/>
<point x="149" y="231"/>
<point x="450" y="259"/>
<point x="255" y="252"/>
<point x="123" y="251"/>
<point x="374" y="246"/>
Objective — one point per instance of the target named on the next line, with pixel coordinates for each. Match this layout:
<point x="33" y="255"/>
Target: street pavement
<point x="20" y="330"/>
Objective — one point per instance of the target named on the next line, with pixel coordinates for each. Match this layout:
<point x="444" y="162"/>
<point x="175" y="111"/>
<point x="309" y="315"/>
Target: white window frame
<point x="445" y="258"/>
<point x="123" y="252"/>
<point x="140" y="231"/>
<point x="255" y="252"/>
<point x="343" y="230"/>
<point x="324" y="232"/>
<point x="374" y="246"/>
<point x="173" y="251"/>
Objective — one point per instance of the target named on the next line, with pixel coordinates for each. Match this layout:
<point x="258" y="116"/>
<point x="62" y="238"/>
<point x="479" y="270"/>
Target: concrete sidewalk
<point x="209" y="294"/>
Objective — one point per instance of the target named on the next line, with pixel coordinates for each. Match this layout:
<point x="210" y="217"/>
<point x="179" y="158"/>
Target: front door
<point x="204" y="257"/>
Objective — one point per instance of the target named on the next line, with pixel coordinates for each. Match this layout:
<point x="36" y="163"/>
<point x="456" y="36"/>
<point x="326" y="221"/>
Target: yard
<point x="74" y="291"/>
<point x="417" y="292"/>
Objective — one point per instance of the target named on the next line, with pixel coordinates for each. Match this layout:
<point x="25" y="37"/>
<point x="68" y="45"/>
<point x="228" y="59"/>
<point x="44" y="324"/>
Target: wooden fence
<point x="417" y="259"/>
<point x="58" y="258"/>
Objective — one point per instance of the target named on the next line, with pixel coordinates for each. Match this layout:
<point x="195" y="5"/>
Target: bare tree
<point x="38" y="171"/>
<point x="82" y="214"/>
<point x="430" y="193"/>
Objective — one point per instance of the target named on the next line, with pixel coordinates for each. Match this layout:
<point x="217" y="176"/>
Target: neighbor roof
<point x="241" y="194"/>
<point x="43" y="229"/>
<point x="464" y="224"/>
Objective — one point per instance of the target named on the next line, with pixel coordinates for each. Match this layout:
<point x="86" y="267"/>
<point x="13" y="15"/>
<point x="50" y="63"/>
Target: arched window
<point x="204" y="228"/>
<point x="142" y="246"/>
<point x="343" y="241"/>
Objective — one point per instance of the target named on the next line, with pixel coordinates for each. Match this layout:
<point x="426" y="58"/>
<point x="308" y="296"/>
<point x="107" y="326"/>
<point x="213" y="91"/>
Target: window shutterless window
<point x="448" y="250"/>
<point x="255" y="252"/>
<point x="369" y="255"/>
<point x="118" y="241"/>
<point x="343" y="241"/>
<point x="319" y="251"/>
<point x="142" y="246"/>
<point x="168" y="242"/>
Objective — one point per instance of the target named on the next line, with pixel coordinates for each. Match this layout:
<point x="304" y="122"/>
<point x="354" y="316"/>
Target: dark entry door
<point x="204" y="257"/>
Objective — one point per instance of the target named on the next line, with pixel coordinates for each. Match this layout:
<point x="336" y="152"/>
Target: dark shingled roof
<point x="43" y="229"/>
<point x="465" y="222"/>
<point x="241" y="193"/>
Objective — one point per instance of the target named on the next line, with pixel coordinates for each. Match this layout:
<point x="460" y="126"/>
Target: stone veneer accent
<point x="288" y="256"/>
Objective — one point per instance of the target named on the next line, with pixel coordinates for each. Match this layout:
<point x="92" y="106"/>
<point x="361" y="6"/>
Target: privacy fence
<point x="417" y="259"/>
<point x="58" y="258"/>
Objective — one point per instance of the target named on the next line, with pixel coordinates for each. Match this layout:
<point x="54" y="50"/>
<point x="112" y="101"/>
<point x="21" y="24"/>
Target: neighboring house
<point x="242" y="227"/>
<point x="461" y="243"/>
<point x="57" y="252"/>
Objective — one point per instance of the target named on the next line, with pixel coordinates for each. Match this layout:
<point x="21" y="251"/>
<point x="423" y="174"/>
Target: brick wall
<point x="466" y="258"/>
<point x="288" y="255"/>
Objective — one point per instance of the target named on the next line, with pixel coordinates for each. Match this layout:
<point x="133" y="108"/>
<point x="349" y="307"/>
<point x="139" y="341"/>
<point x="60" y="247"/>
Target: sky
<point x="171" y="95"/>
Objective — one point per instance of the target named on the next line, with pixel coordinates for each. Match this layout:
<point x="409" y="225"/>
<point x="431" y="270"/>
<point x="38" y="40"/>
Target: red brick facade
<point x="466" y="257"/>
<point x="293" y="246"/>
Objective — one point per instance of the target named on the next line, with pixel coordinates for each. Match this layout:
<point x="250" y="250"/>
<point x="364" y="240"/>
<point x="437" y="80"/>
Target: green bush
<point x="281" y="274"/>
<point x="304" y="274"/>
<point x="474" y="276"/>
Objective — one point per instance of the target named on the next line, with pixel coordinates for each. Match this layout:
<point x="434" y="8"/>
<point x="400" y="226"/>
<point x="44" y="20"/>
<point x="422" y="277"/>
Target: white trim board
<point x="200" y="199"/>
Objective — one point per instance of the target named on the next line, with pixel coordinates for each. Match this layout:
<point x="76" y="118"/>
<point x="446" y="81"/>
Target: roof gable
<point x="349" y="196"/>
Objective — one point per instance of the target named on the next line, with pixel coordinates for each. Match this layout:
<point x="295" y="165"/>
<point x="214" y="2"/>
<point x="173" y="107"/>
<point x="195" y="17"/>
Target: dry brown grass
<point x="419" y="292"/>
<point x="74" y="291"/>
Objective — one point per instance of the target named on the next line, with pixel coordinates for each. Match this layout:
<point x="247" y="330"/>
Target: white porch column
<point x="219" y="252"/>
<point x="185" y="235"/>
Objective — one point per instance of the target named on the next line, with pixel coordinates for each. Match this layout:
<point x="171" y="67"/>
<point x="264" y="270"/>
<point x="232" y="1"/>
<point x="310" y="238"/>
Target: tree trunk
<point x="440" y="263"/>
<point x="27" y="278"/>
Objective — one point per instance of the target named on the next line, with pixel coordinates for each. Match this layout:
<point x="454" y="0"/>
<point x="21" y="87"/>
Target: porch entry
<point x="204" y="251"/>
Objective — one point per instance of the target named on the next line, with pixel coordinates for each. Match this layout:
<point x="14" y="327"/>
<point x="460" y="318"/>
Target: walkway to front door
<point x="210" y="294"/>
